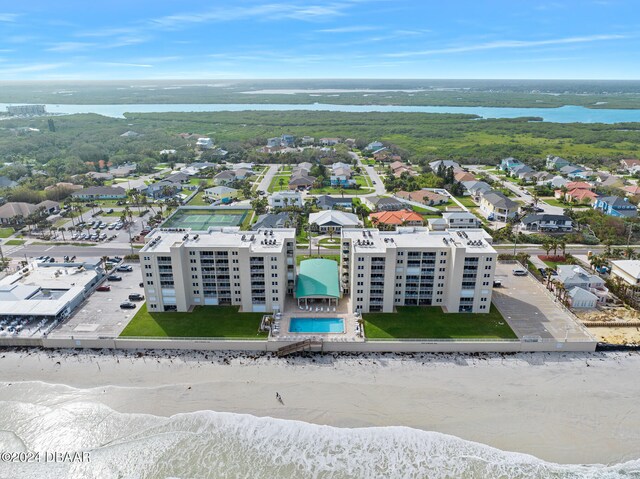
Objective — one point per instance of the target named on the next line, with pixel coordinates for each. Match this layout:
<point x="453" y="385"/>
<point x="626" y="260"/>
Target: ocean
<point x="209" y="444"/>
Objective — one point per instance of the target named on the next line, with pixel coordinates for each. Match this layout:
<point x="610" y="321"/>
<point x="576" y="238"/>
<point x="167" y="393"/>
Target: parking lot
<point x="531" y="311"/>
<point x="100" y="315"/>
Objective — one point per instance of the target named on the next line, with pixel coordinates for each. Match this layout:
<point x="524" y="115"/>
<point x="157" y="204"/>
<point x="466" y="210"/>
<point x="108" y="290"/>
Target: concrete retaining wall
<point x="272" y="346"/>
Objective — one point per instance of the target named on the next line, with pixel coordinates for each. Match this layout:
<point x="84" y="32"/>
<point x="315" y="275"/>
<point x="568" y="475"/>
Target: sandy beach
<point x="566" y="408"/>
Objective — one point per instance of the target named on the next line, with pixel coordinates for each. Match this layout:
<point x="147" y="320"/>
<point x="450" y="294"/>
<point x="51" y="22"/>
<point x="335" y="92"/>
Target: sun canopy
<point x="318" y="278"/>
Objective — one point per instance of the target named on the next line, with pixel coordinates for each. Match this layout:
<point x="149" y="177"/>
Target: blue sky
<point x="117" y="39"/>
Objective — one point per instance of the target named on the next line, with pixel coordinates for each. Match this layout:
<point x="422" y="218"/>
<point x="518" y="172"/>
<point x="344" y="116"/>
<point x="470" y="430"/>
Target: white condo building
<point x="225" y="266"/>
<point x="417" y="267"/>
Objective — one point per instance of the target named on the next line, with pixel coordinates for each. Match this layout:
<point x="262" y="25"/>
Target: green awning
<point x="318" y="278"/>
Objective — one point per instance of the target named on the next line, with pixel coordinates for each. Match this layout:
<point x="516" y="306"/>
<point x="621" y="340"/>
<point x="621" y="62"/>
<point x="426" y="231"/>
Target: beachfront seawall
<point x="415" y="346"/>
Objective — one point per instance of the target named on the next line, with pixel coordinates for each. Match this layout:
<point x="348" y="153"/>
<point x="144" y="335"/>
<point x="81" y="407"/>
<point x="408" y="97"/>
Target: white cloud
<point x="70" y="47"/>
<point x="353" y="28"/>
<point x="508" y="44"/>
<point x="9" y="17"/>
<point x="124" y="64"/>
<point x="36" y="67"/>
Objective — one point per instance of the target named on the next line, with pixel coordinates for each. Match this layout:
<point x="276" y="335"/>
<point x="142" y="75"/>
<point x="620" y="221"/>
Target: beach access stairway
<point x="306" y="345"/>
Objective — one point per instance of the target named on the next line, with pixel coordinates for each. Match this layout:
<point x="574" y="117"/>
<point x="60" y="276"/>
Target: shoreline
<point x="533" y="403"/>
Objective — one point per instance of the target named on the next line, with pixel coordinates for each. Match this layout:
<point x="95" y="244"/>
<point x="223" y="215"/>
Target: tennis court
<point x="202" y="219"/>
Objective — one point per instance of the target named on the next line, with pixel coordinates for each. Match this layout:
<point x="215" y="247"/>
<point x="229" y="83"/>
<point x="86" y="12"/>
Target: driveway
<point x="531" y="310"/>
<point x="268" y="177"/>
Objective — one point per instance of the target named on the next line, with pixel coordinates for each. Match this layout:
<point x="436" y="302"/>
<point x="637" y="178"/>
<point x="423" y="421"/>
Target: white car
<point x="519" y="272"/>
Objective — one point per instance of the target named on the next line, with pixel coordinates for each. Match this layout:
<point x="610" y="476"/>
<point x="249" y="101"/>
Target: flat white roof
<point x="629" y="266"/>
<point x="51" y="289"/>
<point x="474" y="240"/>
<point x="261" y="241"/>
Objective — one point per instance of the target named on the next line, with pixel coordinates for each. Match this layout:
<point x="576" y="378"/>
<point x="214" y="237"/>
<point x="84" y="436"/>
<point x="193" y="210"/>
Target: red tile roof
<point x="395" y="217"/>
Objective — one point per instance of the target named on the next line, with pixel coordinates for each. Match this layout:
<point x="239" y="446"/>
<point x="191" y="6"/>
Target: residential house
<point x="616" y="206"/>
<point x="301" y="181"/>
<point x="555" y="162"/>
<point x="476" y="189"/>
<point x="579" y="195"/>
<point x="632" y="190"/>
<point x="287" y="140"/>
<point x="204" y="143"/>
<point x="273" y="220"/>
<point x="7" y="182"/>
<point x="518" y="170"/>
<point x="64" y="186"/>
<point x="626" y="269"/>
<point x="571" y="276"/>
<point x="629" y="164"/>
<point x="160" y="189"/>
<point x="223" y="193"/>
<point x="458" y="220"/>
<point x="546" y="222"/>
<point x="558" y="182"/>
<point x="100" y="193"/>
<point x="373" y="146"/>
<point x="350" y="142"/>
<point x="329" y="141"/>
<point x="542" y="177"/>
<point x="425" y="197"/>
<point x="612" y="181"/>
<point x="96" y="175"/>
<point x="509" y="164"/>
<point x="177" y="178"/>
<point x="281" y="199"/>
<point x="327" y="202"/>
<point x="580" y="185"/>
<point x="497" y="206"/>
<point x="15" y="212"/>
<point x="383" y="203"/>
<point x="307" y="140"/>
<point x="396" y="218"/>
<point x="224" y="177"/>
<point x="434" y="165"/>
<point x="581" y="298"/>
<point x="123" y="170"/>
<point x="242" y="173"/>
<point x="464" y="176"/>
<point x="241" y="166"/>
<point x="305" y="165"/>
<point x="324" y="220"/>
<point x="570" y="170"/>
<point x="386" y="155"/>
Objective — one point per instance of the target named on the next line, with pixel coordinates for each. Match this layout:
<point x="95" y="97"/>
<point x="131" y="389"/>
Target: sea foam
<point x="225" y="445"/>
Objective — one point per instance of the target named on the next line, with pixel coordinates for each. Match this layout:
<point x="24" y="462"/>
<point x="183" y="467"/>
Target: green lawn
<point x="432" y="322"/>
<point x="466" y="201"/>
<point x="15" y="242"/>
<point x="203" y="322"/>
<point x="330" y="243"/>
<point x="198" y="200"/>
<point x="275" y="182"/>
<point x="426" y="211"/>
<point x="6" y="232"/>
<point x="554" y="202"/>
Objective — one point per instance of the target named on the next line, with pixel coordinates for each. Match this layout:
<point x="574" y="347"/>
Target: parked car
<point x="136" y="297"/>
<point x="519" y="272"/>
<point x="497" y="283"/>
<point x="110" y="210"/>
<point x="127" y="305"/>
<point x="125" y="268"/>
<point x="141" y="285"/>
<point x="114" y="277"/>
<point x="104" y="287"/>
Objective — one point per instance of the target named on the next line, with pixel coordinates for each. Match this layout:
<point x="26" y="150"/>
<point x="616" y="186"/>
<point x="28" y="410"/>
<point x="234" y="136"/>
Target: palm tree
<point x="607" y="248"/>
<point x="546" y="245"/>
<point x="629" y="252"/>
<point x="554" y="245"/>
<point x="562" y="243"/>
<point x="331" y="230"/>
<point x="281" y="182"/>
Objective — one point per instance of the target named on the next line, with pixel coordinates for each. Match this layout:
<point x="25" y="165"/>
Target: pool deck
<point x="292" y="310"/>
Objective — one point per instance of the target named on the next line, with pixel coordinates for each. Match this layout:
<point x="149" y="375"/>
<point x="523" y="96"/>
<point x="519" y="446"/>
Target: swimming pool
<point x="316" y="325"/>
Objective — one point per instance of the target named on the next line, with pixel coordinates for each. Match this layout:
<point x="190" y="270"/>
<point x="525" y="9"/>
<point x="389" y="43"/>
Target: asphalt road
<point x="268" y="176"/>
